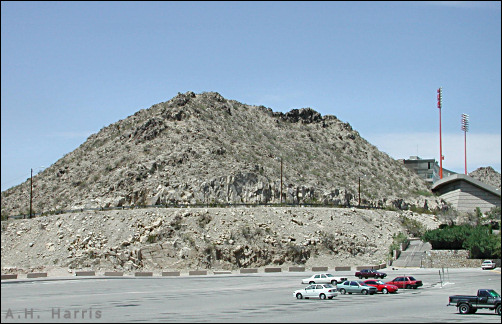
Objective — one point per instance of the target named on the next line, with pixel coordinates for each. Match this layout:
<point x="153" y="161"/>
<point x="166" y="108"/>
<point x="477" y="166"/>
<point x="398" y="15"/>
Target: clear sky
<point x="71" y="68"/>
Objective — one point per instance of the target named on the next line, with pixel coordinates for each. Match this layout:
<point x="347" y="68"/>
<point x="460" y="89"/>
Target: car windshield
<point x="328" y="286"/>
<point x="380" y="282"/>
<point x="329" y="275"/>
<point x="493" y="293"/>
<point x="413" y="279"/>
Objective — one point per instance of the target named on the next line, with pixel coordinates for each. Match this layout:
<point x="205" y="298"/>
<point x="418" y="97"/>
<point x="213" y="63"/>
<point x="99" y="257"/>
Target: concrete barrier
<point x="249" y="270"/>
<point x="170" y="273"/>
<point x="143" y="274"/>
<point x="273" y="269"/>
<point x="9" y="276"/>
<point x="85" y="273"/>
<point x="319" y="269"/>
<point x="36" y="275"/>
<point x="114" y="273"/>
<point x="365" y="267"/>
<point x="296" y="269"/>
<point x="197" y="272"/>
<point x="222" y="272"/>
<point x="342" y="268"/>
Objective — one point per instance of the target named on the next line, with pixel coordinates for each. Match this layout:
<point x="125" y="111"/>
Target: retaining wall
<point x="451" y="259"/>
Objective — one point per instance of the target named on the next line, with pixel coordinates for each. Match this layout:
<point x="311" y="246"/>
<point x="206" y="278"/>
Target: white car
<point x="323" y="278"/>
<point x="322" y="291"/>
<point x="488" y="264"/>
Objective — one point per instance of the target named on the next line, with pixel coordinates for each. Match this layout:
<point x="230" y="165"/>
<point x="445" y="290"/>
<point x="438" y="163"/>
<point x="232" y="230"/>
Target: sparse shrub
<point x="397" y="239"/>
<point x="297" y="254"/>
<point x="413" y="226"/>
<point x="152" y="238"/>
<point x="203" y="220"/>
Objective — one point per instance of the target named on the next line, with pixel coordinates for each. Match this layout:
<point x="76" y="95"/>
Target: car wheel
<point x="333" y="282"/>
<point x="342" y="291"/>
<point x="415" y="287"/>
<point x="299" y="296"/>
<point x="464" y="309"/>
<point x="322" y="296"/>
<point x="498" y="309"/>
<point x="407" y="287"/>
<point x="364" y="292"/>
<point x="360" y="277"/>
<point x="311" y="282"/>
<point x="385" y="291"/>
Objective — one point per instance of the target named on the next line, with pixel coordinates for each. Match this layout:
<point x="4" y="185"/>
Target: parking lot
<point x="262" y="297"/>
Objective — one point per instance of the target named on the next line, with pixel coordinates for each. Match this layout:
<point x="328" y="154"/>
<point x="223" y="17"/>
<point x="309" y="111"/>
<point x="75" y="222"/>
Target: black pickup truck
<point x="486" y="298"/>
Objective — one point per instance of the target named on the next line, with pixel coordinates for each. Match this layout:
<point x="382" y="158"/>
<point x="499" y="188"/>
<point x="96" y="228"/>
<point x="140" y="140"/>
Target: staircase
<point x="413" y="255"/>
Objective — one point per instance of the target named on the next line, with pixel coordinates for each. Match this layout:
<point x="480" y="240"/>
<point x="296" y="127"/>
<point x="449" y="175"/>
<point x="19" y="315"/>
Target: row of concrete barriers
<point x="195" y="272"/>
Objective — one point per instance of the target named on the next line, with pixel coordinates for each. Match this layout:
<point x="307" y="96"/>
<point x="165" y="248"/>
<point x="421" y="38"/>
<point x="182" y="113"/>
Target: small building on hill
<point x="427" y="169"/>
<point x="466" y="193"/>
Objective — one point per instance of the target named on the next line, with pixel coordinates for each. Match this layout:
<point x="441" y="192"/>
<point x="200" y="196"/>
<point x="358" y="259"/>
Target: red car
<point x="405" y="282"/>
<point x="381" y="286"/>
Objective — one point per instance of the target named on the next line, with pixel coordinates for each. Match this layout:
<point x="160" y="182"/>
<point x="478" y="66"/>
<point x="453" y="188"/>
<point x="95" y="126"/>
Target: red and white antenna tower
<point x="441" y="157"/>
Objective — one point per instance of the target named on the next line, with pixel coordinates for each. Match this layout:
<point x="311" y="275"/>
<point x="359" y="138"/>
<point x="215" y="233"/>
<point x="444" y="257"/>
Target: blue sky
<point x="69" y="69"/>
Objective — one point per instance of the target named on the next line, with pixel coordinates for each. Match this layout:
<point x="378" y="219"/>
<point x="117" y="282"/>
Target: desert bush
<point x="413" y="226"/>
<point x="479" y="240"/>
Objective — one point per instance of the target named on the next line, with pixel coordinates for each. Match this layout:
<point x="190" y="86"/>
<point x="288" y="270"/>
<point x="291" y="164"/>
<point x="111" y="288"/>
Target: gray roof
<point x="471" y="180"/>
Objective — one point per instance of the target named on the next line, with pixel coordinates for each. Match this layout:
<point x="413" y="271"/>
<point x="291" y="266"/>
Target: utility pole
<point x="281" y="180"/>
<point x="465" y="128"/>
<point x="31" y="191"/>
<point x="359" y="204"/>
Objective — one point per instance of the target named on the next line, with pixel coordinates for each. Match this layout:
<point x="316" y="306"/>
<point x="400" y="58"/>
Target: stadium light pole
<point x="441" y="157"/>
<point x="465" y="128"/>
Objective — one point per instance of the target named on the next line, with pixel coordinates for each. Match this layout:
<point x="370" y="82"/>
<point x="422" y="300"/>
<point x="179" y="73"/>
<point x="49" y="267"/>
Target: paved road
<point x="413" y="255"/>
<point x="263" y="297"/>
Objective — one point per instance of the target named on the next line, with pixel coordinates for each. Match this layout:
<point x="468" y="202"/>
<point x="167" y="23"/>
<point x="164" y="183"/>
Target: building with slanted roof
<point x="466" y="193"/>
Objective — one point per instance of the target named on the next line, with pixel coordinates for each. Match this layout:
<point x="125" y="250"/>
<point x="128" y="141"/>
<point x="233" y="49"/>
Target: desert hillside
<point x="205" y="149"/>
<point x="204" y="238"/>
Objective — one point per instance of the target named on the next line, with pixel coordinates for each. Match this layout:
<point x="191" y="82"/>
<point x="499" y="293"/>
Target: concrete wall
<point x="466" y="197"/>
<point x="451" y="259"/>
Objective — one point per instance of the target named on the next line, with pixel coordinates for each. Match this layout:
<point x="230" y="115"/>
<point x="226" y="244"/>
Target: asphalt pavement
<point x="262" y="297"/>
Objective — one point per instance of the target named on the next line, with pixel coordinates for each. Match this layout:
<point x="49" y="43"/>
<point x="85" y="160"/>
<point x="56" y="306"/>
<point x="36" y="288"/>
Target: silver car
<point x="357" y="287"/>
<point x="488" y="264"/>
<point x="321" y="291"/>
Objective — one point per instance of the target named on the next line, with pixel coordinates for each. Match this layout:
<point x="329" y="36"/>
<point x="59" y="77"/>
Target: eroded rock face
<point x="202" y="238"/>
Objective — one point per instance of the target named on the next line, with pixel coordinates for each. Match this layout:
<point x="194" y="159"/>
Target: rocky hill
<point x="203" y="148"/>
<point x="487" y="175"/>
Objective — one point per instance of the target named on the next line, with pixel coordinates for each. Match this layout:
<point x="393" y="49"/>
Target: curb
<point x="196" y="272"/>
